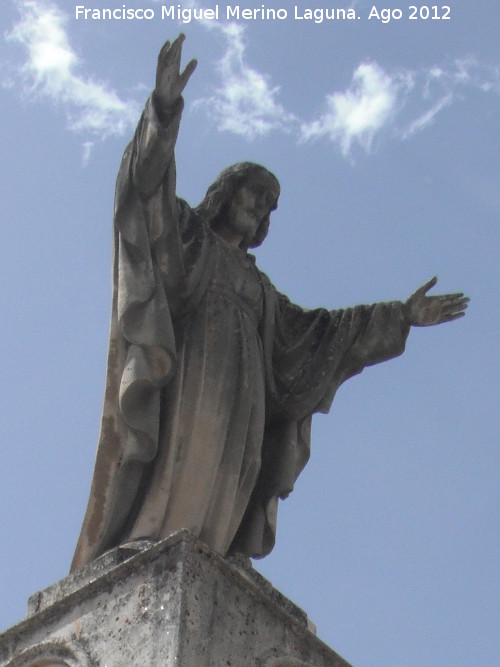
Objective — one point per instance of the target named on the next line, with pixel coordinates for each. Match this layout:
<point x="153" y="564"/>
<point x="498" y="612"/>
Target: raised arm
<point x="156" y="134"/>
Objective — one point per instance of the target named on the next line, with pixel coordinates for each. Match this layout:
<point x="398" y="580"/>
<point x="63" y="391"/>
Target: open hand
<point x="425" y="311"/>
<point x="170" y="82"/>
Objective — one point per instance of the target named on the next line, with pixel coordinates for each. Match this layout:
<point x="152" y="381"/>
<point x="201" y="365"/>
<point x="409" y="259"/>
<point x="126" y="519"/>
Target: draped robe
<point x="213" y="375"/>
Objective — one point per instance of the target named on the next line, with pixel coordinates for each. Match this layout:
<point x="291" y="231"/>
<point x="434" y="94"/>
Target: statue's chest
<point x="236" y="273"/>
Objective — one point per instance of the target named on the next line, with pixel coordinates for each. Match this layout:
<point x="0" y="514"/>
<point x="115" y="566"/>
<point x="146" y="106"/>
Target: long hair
<point x="220" y="193"/>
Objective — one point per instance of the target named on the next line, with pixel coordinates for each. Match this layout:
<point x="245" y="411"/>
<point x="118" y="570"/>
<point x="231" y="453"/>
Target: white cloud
<point x="404" y="102"/>
<point x="428" y="117"/>
<point x="245" y="103"/>
<point x="52" y="70"/>
<point x="441" y="86"/>
<point x="358" y="113"/>
<point x="88" y="147"/>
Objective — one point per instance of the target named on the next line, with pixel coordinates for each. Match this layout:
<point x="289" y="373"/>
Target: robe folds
<point x="213" y="375"/>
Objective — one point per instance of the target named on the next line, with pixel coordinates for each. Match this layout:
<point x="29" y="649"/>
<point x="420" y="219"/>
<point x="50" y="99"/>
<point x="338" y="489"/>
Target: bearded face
<point x="240" y="201"/>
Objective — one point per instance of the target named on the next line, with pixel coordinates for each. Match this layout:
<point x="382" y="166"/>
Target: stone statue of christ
<point x="213" y="375"/>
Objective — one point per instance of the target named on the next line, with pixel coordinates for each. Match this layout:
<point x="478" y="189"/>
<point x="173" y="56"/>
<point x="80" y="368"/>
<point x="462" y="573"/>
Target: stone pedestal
<point x="174" y="604"/>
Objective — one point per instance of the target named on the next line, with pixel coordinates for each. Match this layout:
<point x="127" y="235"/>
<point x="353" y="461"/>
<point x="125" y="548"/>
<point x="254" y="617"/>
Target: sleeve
<point x="145" y="208"/>
<point x="315" y="351"/>
<point x="153" y="224"/>
<point x="141" y="351"/>
<point x="153" y="148"/>
<point x="150" y="255"/>
<point x="308" y="354"/>
<point x="146" y="181"/>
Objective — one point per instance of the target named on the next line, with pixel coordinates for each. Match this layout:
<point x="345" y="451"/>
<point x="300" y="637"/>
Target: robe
<point x="213" y="375"/>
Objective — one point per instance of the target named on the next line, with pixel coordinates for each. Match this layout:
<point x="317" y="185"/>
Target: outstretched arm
<point x="421" y="310"/>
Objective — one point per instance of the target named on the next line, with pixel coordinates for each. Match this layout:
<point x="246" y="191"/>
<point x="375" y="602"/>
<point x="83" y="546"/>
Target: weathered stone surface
<point x="210" y="368"/>
<point x="175" y="603"/>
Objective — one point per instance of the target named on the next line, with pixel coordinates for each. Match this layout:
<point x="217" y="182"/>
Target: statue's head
<point x="230" y="188"/>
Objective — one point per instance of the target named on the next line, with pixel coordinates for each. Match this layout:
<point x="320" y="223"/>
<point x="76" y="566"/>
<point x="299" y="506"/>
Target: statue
<point x="213" y="376"/>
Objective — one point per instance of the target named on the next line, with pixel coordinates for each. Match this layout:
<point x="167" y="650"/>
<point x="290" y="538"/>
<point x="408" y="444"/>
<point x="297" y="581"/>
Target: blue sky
<point x="385" y="139"/>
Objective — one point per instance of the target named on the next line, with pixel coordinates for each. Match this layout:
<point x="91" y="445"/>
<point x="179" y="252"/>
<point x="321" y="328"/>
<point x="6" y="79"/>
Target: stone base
<point x="176" y="603"/>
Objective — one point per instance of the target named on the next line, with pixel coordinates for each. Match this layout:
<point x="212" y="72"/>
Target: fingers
<point x="170" y="53"/>
<point x="430" y="310"/>
<point x="163" y="52"/>
<point x="421" y="291"/>
<point x="455" y="295"/>
<point x="184" y="77"/>
<point x="428" y="285"/>
<point x="451" y="317"/>
<point x="449" y="305"/>
<point x="162" y="57"/>
<point x="170" y="82"/>
<point x="453" y="309"/>
<point x="452" y="298"/>
<point x="176" y="49"/>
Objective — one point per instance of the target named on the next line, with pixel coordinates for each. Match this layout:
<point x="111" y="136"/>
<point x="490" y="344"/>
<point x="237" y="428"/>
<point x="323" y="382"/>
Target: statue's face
<point x="251" y="205"/>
